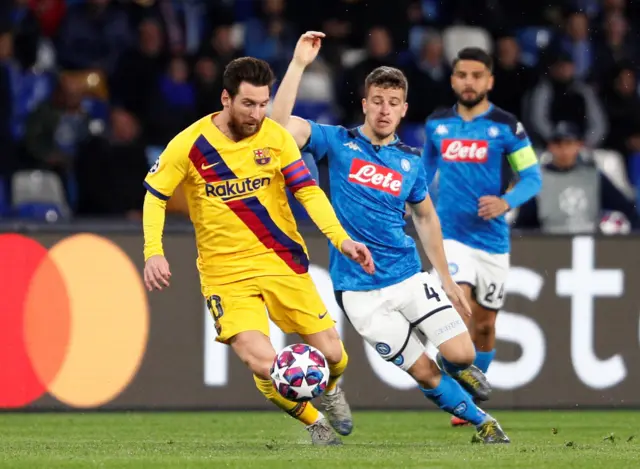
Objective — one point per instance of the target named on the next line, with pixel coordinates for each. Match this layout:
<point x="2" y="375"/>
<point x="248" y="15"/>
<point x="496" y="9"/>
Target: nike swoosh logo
<point x="205" y="167"/>
<point x="321" y="316"/>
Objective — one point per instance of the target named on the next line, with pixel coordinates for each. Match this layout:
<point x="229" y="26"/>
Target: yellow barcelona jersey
<point x="236" y="193"/>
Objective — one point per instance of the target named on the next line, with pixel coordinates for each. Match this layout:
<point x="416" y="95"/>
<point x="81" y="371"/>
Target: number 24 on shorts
<point x="491" y="291"/>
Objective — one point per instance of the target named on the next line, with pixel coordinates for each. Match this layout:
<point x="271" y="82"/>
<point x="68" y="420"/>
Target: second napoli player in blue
<point x="470" y="144"/>
<point x="373" y="176"/>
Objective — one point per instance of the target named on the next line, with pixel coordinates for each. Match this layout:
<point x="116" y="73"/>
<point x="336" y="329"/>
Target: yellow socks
<point x="336" y="370"/>
<point x="303" y="411"/>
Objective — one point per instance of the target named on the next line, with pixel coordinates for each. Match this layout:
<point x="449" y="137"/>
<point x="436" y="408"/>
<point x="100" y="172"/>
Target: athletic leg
<point x="241" y="322"/>
<point x="429" y="310"/>
<point x="295" y="305"/>
<point x="492" y="271"/>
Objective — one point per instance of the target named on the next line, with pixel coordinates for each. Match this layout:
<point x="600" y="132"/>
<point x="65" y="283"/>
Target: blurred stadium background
<point x="92" y="90"/>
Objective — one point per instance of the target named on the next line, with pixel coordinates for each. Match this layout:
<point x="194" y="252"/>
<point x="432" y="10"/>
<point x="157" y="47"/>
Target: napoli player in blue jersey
<point x="373" y="176"/>
<point x="469" y="144"/>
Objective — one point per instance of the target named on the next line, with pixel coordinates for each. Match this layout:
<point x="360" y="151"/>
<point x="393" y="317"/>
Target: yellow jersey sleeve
<point x="170" y="169"/>
<point x="164" y="176"/>
<point x="302" y="185"/>
<point x="153" y="215"/>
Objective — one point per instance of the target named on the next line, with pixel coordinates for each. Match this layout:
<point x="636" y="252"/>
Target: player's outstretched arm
<point x="156" y="268"/>
<point x="163" y="178"/>
<point x="427" y="224"/>
<point x="305" y="52"/>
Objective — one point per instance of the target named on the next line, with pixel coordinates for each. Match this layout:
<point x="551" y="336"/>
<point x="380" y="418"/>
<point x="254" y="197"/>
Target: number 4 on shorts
<point x="431" y="293"/>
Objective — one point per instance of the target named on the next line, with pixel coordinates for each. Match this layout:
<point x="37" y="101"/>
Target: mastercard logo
<point x="74" y="321"/>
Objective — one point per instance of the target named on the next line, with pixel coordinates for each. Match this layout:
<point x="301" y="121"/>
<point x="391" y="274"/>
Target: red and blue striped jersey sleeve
<point x="295" y="171"/>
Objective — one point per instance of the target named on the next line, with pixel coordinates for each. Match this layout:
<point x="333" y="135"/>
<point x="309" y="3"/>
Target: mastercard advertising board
<point x="78" y="331"/>
<point x="75" y="320"/>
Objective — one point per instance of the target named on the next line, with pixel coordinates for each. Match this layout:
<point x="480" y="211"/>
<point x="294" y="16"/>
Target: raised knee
<point x="462" y="356"/>
<point x="459" y="350"/>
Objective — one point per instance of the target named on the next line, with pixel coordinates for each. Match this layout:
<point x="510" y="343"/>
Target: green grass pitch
<point x="420" y="439"/>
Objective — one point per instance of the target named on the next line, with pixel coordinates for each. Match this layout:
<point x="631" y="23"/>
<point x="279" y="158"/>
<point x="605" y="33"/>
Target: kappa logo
<point x="353" y="146"/>
<point x="442" y="130"/>
<point x="262" y="156"/>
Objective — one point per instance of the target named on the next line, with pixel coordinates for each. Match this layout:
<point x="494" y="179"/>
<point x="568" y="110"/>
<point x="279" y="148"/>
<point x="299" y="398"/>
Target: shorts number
<point x="431" y="293"/>
<point x="492" y="291"/>
<point x="214" y="303"/>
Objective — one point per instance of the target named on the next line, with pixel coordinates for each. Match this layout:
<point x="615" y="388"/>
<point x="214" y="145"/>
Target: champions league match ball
<point x="300" y="372"/>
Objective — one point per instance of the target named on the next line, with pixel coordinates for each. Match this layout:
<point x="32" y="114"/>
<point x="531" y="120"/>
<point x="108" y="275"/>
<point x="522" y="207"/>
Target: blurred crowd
<point x="92" y="90"/>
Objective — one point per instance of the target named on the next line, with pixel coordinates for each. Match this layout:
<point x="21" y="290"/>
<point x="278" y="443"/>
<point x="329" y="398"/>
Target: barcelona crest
<point x="262" y="156"/>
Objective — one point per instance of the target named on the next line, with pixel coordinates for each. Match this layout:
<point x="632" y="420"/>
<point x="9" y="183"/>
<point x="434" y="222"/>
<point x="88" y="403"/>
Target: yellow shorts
<point x="292" y="302"/>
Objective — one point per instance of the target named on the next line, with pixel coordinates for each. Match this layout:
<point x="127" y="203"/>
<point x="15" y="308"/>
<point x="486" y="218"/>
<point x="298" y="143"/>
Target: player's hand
<point x="490" y="206"/>
<point x="156" y="273"/>
<point x="307" y="48"/>
<point x="359" y="253"/>
<point x="457" y="297"/>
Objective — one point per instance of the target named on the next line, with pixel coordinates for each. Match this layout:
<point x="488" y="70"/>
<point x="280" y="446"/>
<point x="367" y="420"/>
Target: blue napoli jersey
<point x="470" y="156"/>
<point x="370" y="185"/>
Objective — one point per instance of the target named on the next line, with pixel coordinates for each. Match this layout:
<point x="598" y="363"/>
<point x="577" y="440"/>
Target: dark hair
<point x="254" y="71"/>
<point x="386" y="77"/>
<point x="476" y="54"/>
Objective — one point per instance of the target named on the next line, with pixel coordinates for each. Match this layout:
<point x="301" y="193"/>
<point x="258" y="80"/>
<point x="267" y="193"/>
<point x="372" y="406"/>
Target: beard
<point x="471" y="102"/>
<point x="242" y="129"/>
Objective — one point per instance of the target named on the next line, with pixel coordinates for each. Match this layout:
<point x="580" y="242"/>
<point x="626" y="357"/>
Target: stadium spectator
<point x="429" y="79"/>
<point x="622" y="104"/>
<point x="562" y="97"/>
<point x="208" y="85"/>
<point x="139" y="67"/>
<point x="576" y="43"/>
<point x="173" y="103"/>
<point x="50" y="14"/>
<point x="220" y="46"/>
<point x="574" y="192"/>
<point x="110" y="169"/>
<point x="7" y="140"/>
<point x="623" y="112"/>
<point x="269" y="35"/>
<point x="512" y="78"/>
<point x="56" y="131"/>
<point x="617" y="46"/>
<point x="93" y="35"/>
<point x="26" y="30"/>
<point x="379" y="53"/>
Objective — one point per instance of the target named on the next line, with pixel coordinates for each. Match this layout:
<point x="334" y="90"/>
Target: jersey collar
<point x="359" y="133"/>
<point x="479" y="116"/>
